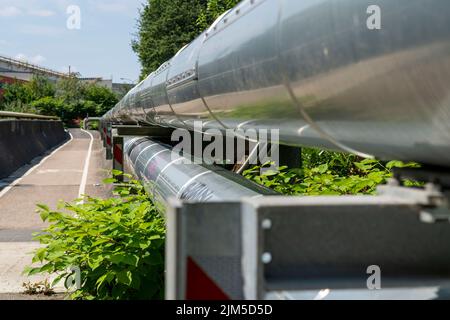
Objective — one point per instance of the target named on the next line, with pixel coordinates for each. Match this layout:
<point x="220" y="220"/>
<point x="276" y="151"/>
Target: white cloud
<point x="13" y="8"/>
<point x="112" y="7"/>
<point x="37" y="30"/>
<point x="38" y="59"/>
<point x="115" y="6"/>
<point x="10" y="11"/>
<point x="3" y="42"/>
<point x="41" y="13"/>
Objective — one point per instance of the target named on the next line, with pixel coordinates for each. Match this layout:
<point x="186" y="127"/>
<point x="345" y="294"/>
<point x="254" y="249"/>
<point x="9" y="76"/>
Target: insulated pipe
<point x="362" y="76"/>
<point x="166" y="174"/>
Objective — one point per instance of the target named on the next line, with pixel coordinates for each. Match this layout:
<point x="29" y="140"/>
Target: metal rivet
<point x="266" y="258"/>
<point x="266" y="224"/>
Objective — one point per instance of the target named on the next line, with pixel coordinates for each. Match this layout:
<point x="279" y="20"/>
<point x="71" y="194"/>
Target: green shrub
<point x="117" y="244"/>
<point x="103" y="99"/>
<point x="359" y="178"/>
<point x="17" y="92"/>
<point x="342" y="164"/>
<point x="48" y="106"/>
<point x="40" y="87"/>
<point x="25" y="92"/>
<point x="94" y="126"/>
<point x="70" y="98"/>
<point x="18" y="106"/>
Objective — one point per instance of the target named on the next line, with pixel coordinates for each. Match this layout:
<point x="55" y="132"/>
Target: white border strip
<point x="82" y="189"/>
<point x="17" y="181"/>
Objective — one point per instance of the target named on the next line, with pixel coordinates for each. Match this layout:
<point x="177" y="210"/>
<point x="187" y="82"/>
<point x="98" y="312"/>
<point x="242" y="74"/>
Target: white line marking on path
<point x="82" y="189"/>
<point x="17" y="181"/>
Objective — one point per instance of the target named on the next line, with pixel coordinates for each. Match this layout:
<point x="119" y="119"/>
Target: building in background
<point x="12" y="70"/>
<point x="121" y="89"/>
<point x="24" y="71"/>
<point x="107" y="83"/>
<point x="4" y="81"/>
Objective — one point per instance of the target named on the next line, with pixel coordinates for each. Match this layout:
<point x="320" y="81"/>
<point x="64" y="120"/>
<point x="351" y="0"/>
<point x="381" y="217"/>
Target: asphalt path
<point x="74" y="168"/>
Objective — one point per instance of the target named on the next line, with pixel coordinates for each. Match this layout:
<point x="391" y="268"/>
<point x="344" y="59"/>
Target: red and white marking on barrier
<point x="108" y="139"/>
<point x="118" y="155"/>
<point x="199" y="286"/>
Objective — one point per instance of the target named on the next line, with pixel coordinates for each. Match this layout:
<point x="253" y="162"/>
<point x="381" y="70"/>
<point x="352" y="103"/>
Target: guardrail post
<point x="109" y="142"/>
<point x="118" y="156"/>
<point x="203" y="251"/>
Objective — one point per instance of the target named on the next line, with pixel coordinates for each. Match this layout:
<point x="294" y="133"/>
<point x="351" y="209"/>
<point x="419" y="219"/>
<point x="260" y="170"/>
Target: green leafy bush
<point x="18" y="106"/>
<point x="16" y="92"/>
<point x="69" y="98"/>
<point x="94" y="126"/>
<point x="117" y="244"/>
<point x="103" y="98"/>
<point x="342" y="164"/>
<point x="49" y="106"/>
<point x="40" y="87"/>
<point x="328" y="178"/>
<point x="26" y="92"/>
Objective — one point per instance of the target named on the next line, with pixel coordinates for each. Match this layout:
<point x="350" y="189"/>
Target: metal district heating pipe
<point x="363" y="76"/>
<point x="167" y="174"/>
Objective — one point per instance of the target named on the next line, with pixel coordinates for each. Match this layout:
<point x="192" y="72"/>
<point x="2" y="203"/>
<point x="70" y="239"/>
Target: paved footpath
<point x="76" y="167"/>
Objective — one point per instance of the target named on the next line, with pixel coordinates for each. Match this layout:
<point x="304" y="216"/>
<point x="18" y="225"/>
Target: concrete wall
<point x="23" y="140"/>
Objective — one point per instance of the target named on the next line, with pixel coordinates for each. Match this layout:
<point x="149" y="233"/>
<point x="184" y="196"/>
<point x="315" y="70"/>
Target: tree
<point x="41" y="87"/>
<point x="213" y="10"/>
<point x="25" y="92"/>
<point x="17" y="92"/>
<point x="165" y="26"/>
<point x="69" y="99"/>
<point x="48" y="106"/>
<point x="103" y="98"/>
<point x="70" y="89"/>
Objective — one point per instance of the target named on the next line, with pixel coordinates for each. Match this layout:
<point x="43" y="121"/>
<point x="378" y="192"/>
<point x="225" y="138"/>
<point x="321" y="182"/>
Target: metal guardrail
<point x="16" y="115"/>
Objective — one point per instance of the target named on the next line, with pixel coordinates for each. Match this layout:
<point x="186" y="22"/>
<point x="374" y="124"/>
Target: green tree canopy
<point x="213" y="10"/>
<point x="68" y="98"/>
<point x="70" y="89"/>
<point x="102" y="97"/>
<point x="40" y="87"/>
<point x="25" y="92"/>
<point x="165" y="26"/>
<point x="16" y="92"/>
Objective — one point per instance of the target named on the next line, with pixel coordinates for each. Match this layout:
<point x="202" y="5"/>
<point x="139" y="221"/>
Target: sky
<point x="92" y="36"/>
